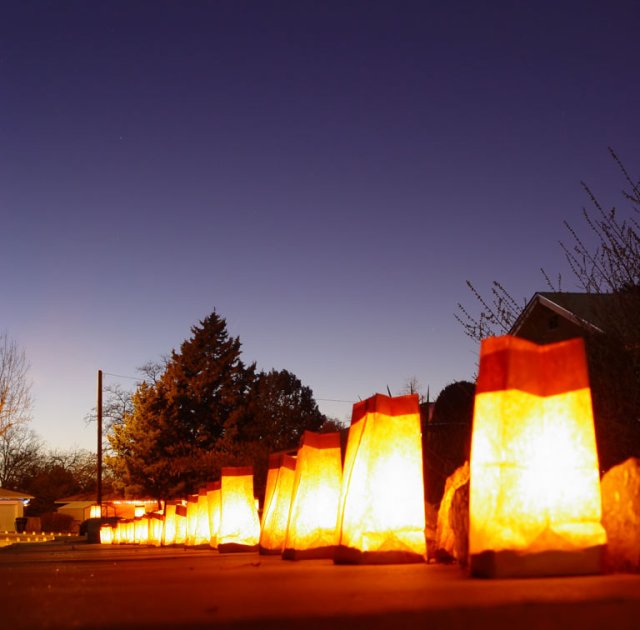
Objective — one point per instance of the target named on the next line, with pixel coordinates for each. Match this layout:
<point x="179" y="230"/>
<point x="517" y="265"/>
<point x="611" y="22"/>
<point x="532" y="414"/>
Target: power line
<point x="133" y="378"/>
<point x="137" y="378"/>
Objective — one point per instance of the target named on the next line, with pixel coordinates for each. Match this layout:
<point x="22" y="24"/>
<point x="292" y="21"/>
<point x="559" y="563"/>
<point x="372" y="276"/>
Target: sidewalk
<point x="57" y="585"/>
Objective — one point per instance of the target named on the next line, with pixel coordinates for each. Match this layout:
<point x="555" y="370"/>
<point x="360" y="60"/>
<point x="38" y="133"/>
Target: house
<point x="12" y="507"/>
<point x="79" y="507"/>
<point x="549" y="317"/>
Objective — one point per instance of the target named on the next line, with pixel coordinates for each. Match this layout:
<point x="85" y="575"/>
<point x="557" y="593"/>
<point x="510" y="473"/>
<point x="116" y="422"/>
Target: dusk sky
<point x="325" y="175"/>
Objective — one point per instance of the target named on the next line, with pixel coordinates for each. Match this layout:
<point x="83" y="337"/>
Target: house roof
<point x="12" y="494"/>
<point x="588" y="310"/>
<point x="106" y="498"/>
<point x="77" y="505"/>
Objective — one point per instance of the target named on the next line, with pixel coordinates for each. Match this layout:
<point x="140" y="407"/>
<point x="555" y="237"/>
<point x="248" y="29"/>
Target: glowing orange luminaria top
<point x="382" y="517"/>
<point x="535" y="484"/>
<point x="277" y="502"/>
<point x="311" y="531"/>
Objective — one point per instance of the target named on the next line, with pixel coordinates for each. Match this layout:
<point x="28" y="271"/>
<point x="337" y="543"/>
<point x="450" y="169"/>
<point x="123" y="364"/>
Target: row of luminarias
<point x="534" y="490"/>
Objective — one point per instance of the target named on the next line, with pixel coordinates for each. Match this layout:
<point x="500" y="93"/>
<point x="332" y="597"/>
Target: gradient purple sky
<point x="326" y="175"/>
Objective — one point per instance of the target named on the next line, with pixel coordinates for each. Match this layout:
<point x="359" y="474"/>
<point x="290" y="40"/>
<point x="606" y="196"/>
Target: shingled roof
<point x="589" y="310"/>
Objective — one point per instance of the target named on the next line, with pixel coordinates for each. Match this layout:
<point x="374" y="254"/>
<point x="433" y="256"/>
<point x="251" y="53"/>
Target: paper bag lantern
<point x="382" y="518"/>
<point x="192" y="519"/>
<point x="130" y="531"/>
<point x="156" y="522"/>
<point x="311" y="531"/>
<point x="169" y="524"/>
<point x="202" y="528"/>
<point x="181" y="524"/>
<point x="277" y="502"/>
<point x="118" y="534"/>
<point x="239" y="523"/>
<point x="535" y="490"/>
<point x="107" y="535"/>
<point x="141" y="530"/>
<point x="213" y="508"/>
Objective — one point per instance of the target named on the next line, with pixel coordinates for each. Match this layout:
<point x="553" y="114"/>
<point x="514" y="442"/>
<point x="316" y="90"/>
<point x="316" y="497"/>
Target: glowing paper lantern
<point x="311" y="531"/>
<point x="117" y="533"/>
<point x="156" y="523"/>
<point x="169" y="524"/>
<point x="277" y="502"/>
<point x="141" y="530"/>
<point x="239" y="523"/>
<point x="192" y="519"/>
<point x="107" y="534"/>
<point x="202" y="527"/>
<point x="181" y="524"/>
<point x="121" y="532"/>
<point x="535" y="492"/>
<point x="382" y="516"/>
<point x="213" y="506"/>
<point x="128" y="532"/>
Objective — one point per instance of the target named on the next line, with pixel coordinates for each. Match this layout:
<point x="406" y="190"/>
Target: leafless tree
<point x="413" y="386"/>
<point x="21" y="452"/>
<point x="610" y="267"/>
<point x="15" y="386"/>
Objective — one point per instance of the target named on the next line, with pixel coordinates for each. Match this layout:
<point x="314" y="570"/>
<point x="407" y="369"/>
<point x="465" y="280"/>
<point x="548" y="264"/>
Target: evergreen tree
<point x="182" y="428"/>
<point x="205" y="410"/>
<point x="207" y="384"/>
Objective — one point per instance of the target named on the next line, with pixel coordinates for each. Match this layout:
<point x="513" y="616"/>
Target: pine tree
<point x="206" y="410"/>
<point x="182" y="428"/>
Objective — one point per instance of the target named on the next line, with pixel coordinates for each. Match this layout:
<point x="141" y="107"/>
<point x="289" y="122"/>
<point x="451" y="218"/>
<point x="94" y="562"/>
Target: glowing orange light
<point x="277" y="502"/>
<point x="213" y="505"/>
<point x="169" y="525"/>
<point x="141" y="530"/>
<point x="202" y="528"/>
<point x="107" y="534"/>
<point x="192" y="519"/>
<point x="239" y="523"/>
<point x="156" y="523"/>
<point x="382" y="501"/>
<point x="535" y="490"/>
<point x="311" y="531"/>
<point x="95" y="511"/>
<point x="181" y="524"/>
<point x="127" y="531"/>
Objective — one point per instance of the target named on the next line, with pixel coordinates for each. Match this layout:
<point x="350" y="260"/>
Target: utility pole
<point x="99" y="409"/>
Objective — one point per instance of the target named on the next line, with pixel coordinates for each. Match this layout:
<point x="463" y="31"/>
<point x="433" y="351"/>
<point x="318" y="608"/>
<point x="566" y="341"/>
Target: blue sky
<point x="326" y="175"/>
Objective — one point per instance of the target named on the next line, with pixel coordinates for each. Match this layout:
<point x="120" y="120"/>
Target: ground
<point x="64" y="585"/>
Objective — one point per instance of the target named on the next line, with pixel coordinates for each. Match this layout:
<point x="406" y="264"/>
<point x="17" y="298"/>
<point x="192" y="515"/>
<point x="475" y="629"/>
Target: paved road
<point x="64" y="586"/>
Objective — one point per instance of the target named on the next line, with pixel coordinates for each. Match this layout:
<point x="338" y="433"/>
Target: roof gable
<point x="586" y="310"/>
